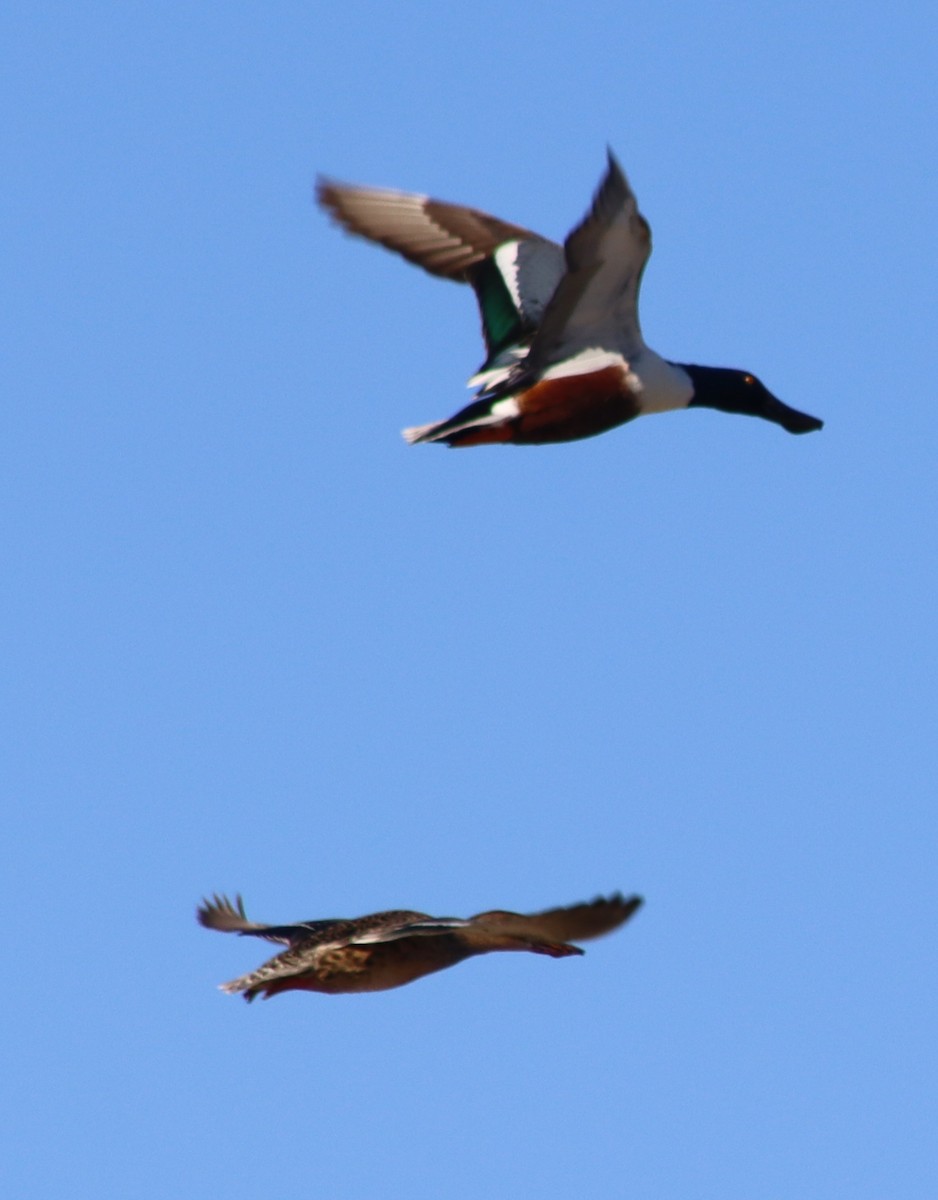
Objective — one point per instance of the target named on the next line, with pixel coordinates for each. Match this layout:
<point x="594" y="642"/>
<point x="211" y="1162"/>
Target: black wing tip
<point x="631" y="904"/>
<point x="615" y="176"/>
<point x="325" y="193"/>
<point x="628" y="904"/>
<point x="612" y="194"/>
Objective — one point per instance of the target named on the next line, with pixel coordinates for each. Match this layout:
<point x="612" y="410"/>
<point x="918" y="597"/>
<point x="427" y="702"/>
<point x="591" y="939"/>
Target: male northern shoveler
<point x="566" y="358"/>
<point x="388" y="949"/>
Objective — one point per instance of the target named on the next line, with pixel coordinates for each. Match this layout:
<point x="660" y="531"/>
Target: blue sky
<point x="252" y="642"/>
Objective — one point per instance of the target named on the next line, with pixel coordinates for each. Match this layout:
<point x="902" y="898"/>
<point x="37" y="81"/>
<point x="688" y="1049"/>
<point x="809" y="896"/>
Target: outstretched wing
<point x="444" y="239"/>
<point x="513" y="271"/>
<point x="575" y="923"/>
<point x="229" y="917"/>
<point x="580" y="922"/>
<point x="595" y="305"/>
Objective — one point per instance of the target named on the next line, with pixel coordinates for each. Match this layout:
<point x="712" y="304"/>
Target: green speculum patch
<point x="501" y="324"/>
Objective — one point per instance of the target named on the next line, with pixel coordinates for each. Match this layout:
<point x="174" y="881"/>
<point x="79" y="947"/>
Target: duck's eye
<point x="748" y="380"/>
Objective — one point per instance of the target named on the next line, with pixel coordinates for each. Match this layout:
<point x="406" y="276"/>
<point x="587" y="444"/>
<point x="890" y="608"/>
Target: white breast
<point x="656" y="384"/>
<point x="663" y="385"/>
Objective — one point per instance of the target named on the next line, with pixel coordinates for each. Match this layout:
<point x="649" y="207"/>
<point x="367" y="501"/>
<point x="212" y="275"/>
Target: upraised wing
<point x="595" y="305"/>
<point x="513" y="271"/>
<point x="229" y="917"/>
<point x="444" y="239"/>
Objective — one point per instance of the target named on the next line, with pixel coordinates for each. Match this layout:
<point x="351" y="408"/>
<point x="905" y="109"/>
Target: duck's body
<point x="388" y="949"/>
<point x="588" y="394"/>
<point x="566" y="358"/>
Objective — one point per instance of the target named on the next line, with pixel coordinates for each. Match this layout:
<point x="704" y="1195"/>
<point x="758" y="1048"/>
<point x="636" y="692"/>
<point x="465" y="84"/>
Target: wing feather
<point x="596" y="302"/>
<point x="445" y="239"/>
<point x="228" y="916"/>
<point x="574" y="923"/>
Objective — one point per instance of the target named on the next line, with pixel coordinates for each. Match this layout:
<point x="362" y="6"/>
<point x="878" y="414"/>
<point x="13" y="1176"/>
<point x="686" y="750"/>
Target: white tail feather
<point x="418" y="433"/>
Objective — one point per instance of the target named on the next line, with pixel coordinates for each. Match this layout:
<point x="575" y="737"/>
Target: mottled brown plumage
<point x="388" y="949"/>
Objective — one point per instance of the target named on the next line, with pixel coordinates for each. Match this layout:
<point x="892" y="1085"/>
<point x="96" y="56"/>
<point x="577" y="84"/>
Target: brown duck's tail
<point x="262" y="982"/>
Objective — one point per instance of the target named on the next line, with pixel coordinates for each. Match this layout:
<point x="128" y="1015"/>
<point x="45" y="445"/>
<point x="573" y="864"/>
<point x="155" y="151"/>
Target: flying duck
<point x="565" y="354"/>
<point x="388" y="949"/>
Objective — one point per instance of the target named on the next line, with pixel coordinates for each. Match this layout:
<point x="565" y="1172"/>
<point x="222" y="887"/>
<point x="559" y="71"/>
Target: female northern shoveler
<point x="566" y="358"/>
<point x="388" y="949"/>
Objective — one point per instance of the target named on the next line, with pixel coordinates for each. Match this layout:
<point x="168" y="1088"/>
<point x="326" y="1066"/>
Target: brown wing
<point x="444" y="239"/>
<point x="229" y="917"/>
<point x="576" y="923"/>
